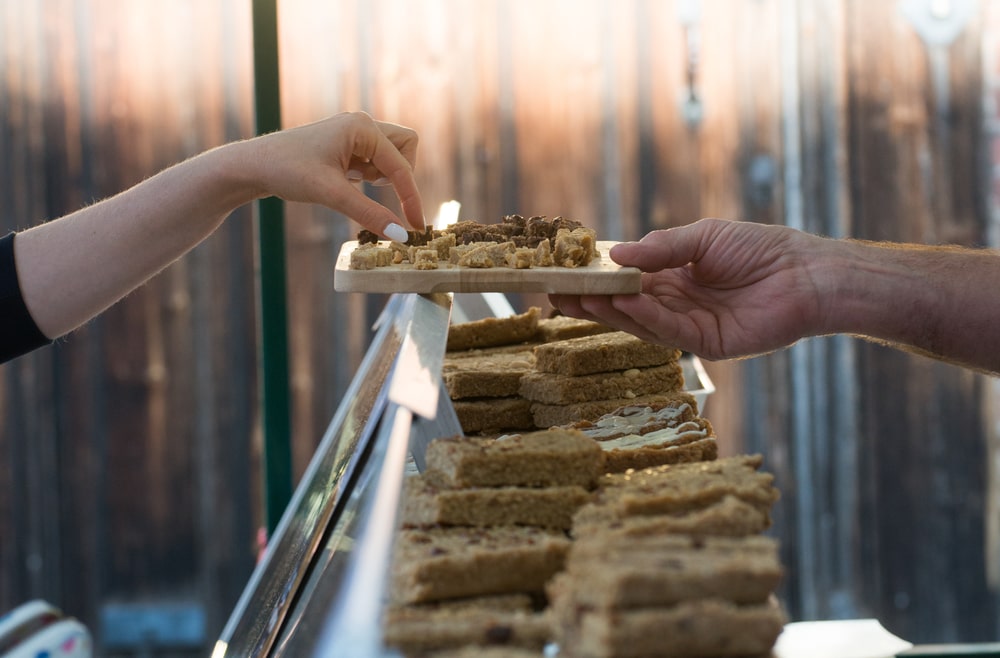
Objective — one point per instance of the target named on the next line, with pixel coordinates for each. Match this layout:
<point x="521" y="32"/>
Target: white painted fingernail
<point x="396" y="232"/>
<point x="381" y="181"/>
<point x="354" y="175"/>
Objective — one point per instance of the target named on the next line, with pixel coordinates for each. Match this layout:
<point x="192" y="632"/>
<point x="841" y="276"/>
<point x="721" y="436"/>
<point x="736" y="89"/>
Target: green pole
<point x="275" y="393"/>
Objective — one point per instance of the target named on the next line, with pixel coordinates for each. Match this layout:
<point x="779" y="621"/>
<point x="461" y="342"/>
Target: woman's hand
<point x="322" y="162"/>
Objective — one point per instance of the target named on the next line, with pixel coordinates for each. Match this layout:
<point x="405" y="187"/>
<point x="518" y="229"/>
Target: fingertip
<point x="621" y="251"/>
<point x="395" y="232"/>
<point x="414" y="213"/>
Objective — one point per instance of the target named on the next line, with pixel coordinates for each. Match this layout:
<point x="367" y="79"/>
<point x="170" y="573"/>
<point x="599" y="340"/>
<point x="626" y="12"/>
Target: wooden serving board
<point x="601" y="277"/>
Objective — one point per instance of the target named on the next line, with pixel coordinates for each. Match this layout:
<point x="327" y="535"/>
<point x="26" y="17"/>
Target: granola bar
<point x="619" y="460"/>
<point x="490" y="332"/>
<point x="491" y="415"/>
<point x="728" y="517"/>
<point x="641" y="436"/>
<point x="680" y="488"/>
<point x="552" y="388"/>
<point x="563" y="327"/>
<point x="453" y="625"/>
<point x="549" y="507"/>
<point x="708" y="627"/>
<point x="607" y="352"/>
<point x="492" y="375"/>
<point x="545" y="458"/>
<point x="612" y="571"/>
<point x="447" y="563"/>
<point x="640" y="418"/>
<point x="550" y="415"/>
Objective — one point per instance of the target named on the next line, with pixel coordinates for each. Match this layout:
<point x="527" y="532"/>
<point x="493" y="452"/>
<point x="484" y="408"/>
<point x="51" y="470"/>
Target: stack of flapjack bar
<point x="671" y="561"/>
<point x="483" y="531"/>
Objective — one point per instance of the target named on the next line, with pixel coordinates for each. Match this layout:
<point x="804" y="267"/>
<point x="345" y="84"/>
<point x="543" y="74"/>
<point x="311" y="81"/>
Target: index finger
<point x="397" y="168"/>
<point x="403" y="138"/>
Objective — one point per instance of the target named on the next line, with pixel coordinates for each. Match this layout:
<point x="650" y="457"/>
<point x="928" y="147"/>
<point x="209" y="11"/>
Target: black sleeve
<point x="18" y="332"/>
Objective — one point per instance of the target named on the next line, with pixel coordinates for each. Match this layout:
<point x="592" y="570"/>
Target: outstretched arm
<point x="72" y="268"/>
<point x="724" y="289"/>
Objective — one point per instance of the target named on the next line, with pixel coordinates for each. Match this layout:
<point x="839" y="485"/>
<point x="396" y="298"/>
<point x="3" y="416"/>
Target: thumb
<point x="659" y="250"/>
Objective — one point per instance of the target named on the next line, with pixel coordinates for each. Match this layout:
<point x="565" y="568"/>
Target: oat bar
<point x="610" y="571"/>
<point x="545" y="458"/>
<point x="639" y="419"/>
<point x="490" y="332"/>
<point x="709" y="627"/>
<point x="549" y="507"/>
<point x="436" y="627"/>
<point x="370" y="257"/>
<point x="447" y="563"/>
<point x="619" y="460"/>
<point x="491" y="415"/>
<point x="680" y="488"/>
<point x="605" y="352"/>
<point x="492" y="375"/>
<point x="563" y="327"/>
<point x="729" y="517"/>
<point x="551" y="415"/>
<point x="575" y="247"/>
<point x="552" y="388"/>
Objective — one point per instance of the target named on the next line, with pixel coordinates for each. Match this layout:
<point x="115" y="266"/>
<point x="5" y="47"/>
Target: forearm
<point x="939" y="301"/>
<point x="72" y="268"/>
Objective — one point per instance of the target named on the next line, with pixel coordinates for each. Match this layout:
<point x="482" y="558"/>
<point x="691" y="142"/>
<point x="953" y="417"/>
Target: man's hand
<point x="717" y="288"/>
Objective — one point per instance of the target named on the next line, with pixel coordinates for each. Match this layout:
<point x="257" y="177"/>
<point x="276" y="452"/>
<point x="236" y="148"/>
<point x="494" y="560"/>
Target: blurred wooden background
<point x="129" y="452"/>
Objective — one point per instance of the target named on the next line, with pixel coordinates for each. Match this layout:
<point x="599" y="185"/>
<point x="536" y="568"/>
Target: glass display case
<point x="320" y="587"/>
